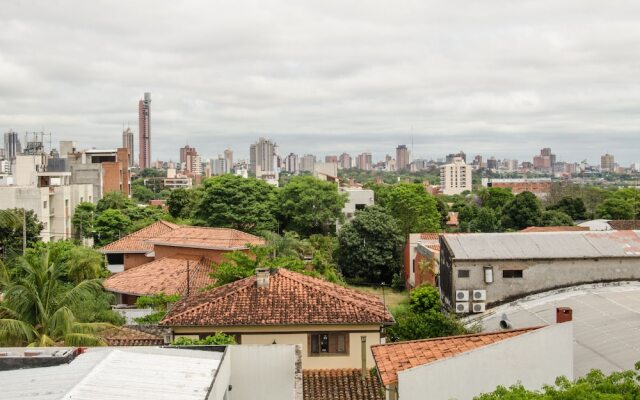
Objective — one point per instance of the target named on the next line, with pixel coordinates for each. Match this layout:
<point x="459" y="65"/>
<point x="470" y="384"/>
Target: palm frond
<point x="61" y="322"/>
<point x="16" y="332"/>
<point x="83" y="339"/>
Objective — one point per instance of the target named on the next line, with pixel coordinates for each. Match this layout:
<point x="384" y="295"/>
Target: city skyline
<point x="330" y="78"/>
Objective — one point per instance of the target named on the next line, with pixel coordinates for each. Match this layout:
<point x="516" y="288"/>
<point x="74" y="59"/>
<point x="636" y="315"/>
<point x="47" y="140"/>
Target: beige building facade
<point x="455" y="178"/>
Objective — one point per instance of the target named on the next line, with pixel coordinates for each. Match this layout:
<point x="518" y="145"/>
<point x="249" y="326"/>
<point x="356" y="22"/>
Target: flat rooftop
<point x="606" y="322"/>
<point x="118" y="373"/>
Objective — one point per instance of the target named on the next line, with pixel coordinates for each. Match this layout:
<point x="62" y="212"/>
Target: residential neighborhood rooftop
<point x="206" y="238"/>
<point x="123" y="336"/>
<point x="136" y="242"/>
<point x="392" y="358"/>
<point x="570" y="228"/>
<point x="118" y="373"/>
<point x="341" y="384"/>
<point x="290" y="298"/>
<point x="167" y="275"/>
<point x="544" y="245"/>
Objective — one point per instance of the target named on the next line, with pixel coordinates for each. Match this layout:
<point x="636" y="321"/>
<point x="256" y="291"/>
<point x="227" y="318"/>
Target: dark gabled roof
<point x="290" y="299"/>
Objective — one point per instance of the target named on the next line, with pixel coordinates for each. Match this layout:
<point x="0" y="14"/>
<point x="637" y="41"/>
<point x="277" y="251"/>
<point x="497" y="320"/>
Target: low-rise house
<point x="485" y="269"/>
<point x="335" y="325"/>
<point x="613" y="225"/>
<point x="421" y="259"/>
<point x="462" y="367"/>
<point x="342" y="384"/>
<point x="133" y="250"/>
<point x="183" y="275"/>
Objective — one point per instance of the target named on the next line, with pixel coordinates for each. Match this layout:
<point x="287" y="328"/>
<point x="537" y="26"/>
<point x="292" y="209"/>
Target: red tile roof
<point x="167" y="275"/>
<point x="130" y="337"/>
<point x="136" y="242"/>
<point x="207" y="238"/>
<point x="555" y="228"/>
<point x="625" y="224"/>
<point x="430" y="236"/>
<point x="290" y="299"/>
<point x="392" y="358"/>
<point x="341" y="384"/>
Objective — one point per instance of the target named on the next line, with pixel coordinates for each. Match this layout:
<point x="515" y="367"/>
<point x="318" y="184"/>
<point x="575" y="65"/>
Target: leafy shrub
<point x="218" y="339"/>
<point x="151" y="319"/>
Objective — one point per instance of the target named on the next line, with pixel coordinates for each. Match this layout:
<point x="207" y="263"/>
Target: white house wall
<point x="534" y="359"/>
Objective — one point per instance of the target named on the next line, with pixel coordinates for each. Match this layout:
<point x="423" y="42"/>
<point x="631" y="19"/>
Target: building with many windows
<point x="403" y="158"/>
<point x="144" y="131"/>
<point x="455" y="178"/>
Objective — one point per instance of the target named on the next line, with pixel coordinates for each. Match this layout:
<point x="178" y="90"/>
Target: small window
<point x="413" y="267"/>
<point x="512" y="273"/>
<point x="360" y="206"/>
<point x="463" y="273"/>
<point x="328" y="343"/>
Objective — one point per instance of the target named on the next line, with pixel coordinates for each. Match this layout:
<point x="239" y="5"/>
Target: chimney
<point x="262" y="277"/>
<point x="363" y="352"/>
<point x="564" y="314"/>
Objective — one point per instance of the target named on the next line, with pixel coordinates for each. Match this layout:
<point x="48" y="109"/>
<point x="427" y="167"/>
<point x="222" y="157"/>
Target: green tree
<point x="245" y="204"/>
<point x="309" y="206"/>
<point x="183" y="202"/>
<point x="425" y="299"/>
<point x="37" y="307"/>
<point x="595" y="385"/>
<point x="370" y="246"/>
<point x="413" y="208"/>
<point x="495" y="198"/>
<point x="110" y="226"/>
<point x="572" y="206"/>
<point x="522" y="212"/>
<point x="11" y="231"/>
<point x="555" y="218"/>
<point x="615" y="208"/>
<point x="153" y="173"/>
<point x="631" y="196"/>
<point x="485" y="221"/>
<point x="218" y="339"/>
<point x="114" y="201"/>
<point x="142" y="194"/>
<point x="83" y="219"/>
<point x="466" y="217"/>
<point x="413" y="326"/>
<point x="78" y="262"/>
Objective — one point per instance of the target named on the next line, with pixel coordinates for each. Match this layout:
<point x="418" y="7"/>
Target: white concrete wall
<point x="29" y="198"/>
<point x="264" y="372"/>
<point x="534" y="359"/>
<point x="222" y="379"/>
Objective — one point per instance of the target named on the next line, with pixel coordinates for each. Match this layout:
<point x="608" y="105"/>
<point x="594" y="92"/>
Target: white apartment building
<point x="455" y="178"/>
<point x="49" y="194"/>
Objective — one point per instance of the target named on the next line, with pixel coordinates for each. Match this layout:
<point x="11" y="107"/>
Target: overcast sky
<point x="490" y="77"/>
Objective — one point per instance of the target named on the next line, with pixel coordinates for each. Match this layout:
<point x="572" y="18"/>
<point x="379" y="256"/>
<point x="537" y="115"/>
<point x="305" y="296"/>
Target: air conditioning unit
<point x="462" y="307"/>
<point x="479" y="307"/>
<point x="462" y="295"/>
<point x="479" y="295"/>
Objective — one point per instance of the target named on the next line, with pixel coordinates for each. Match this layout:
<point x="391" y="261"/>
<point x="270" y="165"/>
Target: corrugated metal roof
<point x="541" y="245"/>
<point x="123" y="373"/>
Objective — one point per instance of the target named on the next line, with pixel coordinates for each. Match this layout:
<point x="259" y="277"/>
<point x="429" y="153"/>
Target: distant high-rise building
<point x="291" y="163"/>
<point x="127" y="142"/>
<point x="307" y="162"/>
<point x="492" y="163"/>
<point x="331" y="159"/>
<point x="364" y="161"/>
<point x="477" y="161"/>
<point x="455" y="178"/>
<point x="190" y="159"/>
<point x="144" y="131"/>
<point x="402" y="157"/>
<point x="450" y="157"/>
<point x="12" y="146"/>
<point x="219" y="166"/>
<point x="344" y="161"/>
<point x="262" y="156"/>
<point x="607" y="163"/>
<point x="228" y="157"/>
<point x="545" y="161"/>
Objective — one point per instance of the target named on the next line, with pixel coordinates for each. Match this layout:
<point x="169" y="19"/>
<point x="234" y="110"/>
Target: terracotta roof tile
<point x="130" y="337"/>
<point x="207" y="238"/>
<point x="290" y="299"/>
<point x="392" y="358"/>
<point x="625" y="225"/>
<point x="555" y="228"/>
<point x="341" y="384"/>
<point x="167" y="275"/>
<point x="430" y="236"/>
<point x="136" y="242"/>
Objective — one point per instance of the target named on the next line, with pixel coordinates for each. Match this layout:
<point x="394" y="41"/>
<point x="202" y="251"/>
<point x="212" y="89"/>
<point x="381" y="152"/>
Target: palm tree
<point x="36" y="309"/>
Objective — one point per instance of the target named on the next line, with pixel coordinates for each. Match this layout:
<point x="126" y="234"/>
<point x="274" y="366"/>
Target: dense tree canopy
<point x="413" y="209"/>
<point x="370" y="246"/>
<point x="572" y="206"/>
<point x="615" y="208"/>
<point x="309" y="206"/>
<point x="182" y="203"/>
<point x="495" y="198"/>
<point x="555" y="218"/>
<point x="110" y="226"/>
<point x="11" y="231"/>
<point x="83" y="220"/>
<point x="522" y="212"/>
<point x="231" y="201"/>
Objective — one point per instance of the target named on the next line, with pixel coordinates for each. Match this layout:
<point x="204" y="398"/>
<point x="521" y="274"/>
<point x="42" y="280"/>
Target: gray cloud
<point x="495" y="77"/>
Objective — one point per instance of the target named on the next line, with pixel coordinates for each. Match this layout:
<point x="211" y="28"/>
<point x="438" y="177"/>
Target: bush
<point x="218" y="339"/>
<point x="151" y="319"/>
<point x="397" y="283"/>
<point x="424" y="299"/>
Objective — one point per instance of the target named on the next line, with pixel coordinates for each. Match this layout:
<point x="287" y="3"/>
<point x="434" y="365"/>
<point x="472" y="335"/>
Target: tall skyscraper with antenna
<point x="144" y="121"/>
